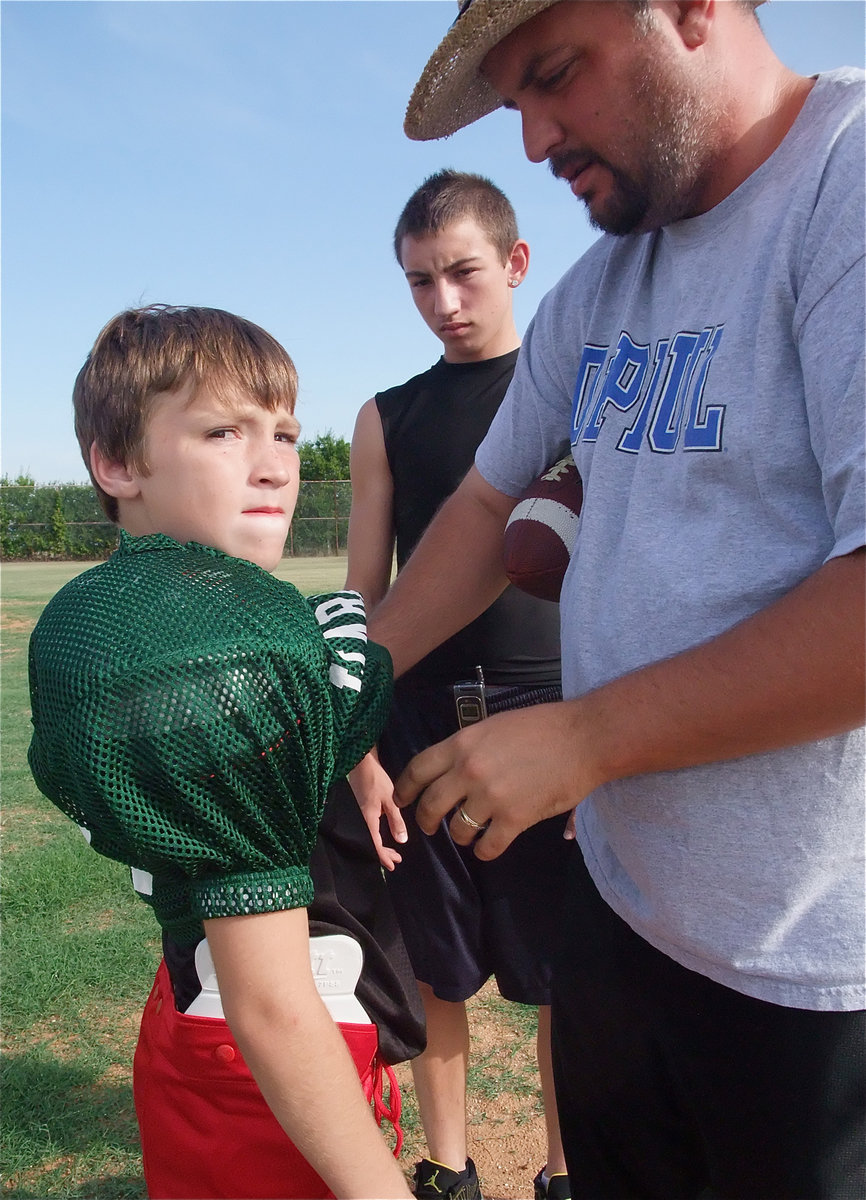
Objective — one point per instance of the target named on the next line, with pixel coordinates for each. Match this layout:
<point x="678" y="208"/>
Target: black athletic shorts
<point x="671" y="1086"/>
<point x="351" y="898"/>
<point x="464" y="920"/>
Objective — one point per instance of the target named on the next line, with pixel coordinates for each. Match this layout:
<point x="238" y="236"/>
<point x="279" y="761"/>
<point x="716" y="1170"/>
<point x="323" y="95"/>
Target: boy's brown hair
<point x="161" y="348"/>
<point x="450" y="196"/>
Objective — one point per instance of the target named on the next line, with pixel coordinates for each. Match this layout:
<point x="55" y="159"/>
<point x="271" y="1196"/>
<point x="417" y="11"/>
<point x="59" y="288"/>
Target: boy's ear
<point x="113" y="476"/>
<point x="518" y="263"/>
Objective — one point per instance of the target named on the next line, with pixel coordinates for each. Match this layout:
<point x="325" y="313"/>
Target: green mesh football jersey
<point x="189" y="713"/>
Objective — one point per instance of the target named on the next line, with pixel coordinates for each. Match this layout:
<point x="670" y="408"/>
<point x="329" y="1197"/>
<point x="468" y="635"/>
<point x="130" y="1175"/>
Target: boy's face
<point x="221" y="472"/>
<point x="462" y="289"/>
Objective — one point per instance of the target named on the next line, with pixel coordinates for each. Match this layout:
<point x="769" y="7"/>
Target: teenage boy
<point x="457" y="242"/>
<point x="189" y="712"/>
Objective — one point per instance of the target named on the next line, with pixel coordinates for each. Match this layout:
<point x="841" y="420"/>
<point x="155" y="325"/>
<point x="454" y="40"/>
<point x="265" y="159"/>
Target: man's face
<point x="460" y="287"/>
<point x="223" y="472"/>
<point x="613" y="108"/>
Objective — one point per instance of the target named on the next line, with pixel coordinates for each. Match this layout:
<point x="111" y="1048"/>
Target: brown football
<point x="541" y="531"/>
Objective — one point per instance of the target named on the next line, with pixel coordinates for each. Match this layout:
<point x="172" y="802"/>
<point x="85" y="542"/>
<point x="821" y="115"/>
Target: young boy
<point x="190" y="711"/>
<point x="463" y="920"/>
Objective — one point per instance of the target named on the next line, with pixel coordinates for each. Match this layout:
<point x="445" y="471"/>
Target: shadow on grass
<point x="66" y="1132"/>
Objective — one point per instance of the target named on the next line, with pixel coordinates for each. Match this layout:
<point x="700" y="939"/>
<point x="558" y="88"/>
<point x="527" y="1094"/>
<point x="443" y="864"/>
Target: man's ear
<point x="113" y="476"/>
<point x="518" y="263"/>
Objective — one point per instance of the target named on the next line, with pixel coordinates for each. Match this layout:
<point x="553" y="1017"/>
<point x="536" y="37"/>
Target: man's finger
<point x="439" y="799"/>
<point x="421" y="771"/>
<point x="496" y="838"/>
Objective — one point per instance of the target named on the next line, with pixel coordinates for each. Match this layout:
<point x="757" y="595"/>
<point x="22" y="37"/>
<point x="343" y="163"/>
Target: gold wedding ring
<point x="467" y="820"/>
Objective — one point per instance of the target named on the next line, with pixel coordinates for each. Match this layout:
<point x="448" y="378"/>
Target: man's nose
<point x="541" y="135"/>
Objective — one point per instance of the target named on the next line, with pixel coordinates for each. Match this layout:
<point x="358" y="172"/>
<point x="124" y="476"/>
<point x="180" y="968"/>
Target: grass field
<point x="80" y="951"/>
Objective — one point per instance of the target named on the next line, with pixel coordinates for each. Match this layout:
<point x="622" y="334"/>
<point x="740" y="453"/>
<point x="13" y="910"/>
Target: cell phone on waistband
<point x="471" y="700"/>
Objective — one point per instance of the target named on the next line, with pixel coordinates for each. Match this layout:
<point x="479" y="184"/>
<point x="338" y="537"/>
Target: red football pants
<point x="206" y="1131"/>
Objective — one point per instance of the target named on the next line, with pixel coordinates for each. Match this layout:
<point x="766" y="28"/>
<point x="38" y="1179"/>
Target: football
<point x="541" y="531"/>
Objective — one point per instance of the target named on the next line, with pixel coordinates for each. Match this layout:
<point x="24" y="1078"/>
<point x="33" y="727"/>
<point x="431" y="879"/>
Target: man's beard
<point x="628" y="202"/>
<point x="670" y="144"/>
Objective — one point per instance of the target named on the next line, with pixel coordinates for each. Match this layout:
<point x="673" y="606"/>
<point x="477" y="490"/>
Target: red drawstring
<point x="387" y="1111"/>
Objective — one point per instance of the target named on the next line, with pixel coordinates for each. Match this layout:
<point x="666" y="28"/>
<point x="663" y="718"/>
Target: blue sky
<point x="249" y="155"/>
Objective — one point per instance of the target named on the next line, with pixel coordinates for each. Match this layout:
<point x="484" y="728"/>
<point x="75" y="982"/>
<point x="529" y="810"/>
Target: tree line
<point x="64" y="520"/>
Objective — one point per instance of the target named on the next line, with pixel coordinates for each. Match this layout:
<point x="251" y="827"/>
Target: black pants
<point x="669" y="1084"/>
<point x="464" y="920"/>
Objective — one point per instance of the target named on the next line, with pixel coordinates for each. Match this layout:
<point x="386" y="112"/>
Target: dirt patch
<point x="102" y="922"/>
<point x="53" y="1035"/>
<point x="29" y="1183"/>
<point x="16" y="625"/>
<point x="23" y="828"/>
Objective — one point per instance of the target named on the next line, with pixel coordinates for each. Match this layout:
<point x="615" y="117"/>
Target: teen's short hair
<point x="146" y="351"/>
<point x="450" y="196"/>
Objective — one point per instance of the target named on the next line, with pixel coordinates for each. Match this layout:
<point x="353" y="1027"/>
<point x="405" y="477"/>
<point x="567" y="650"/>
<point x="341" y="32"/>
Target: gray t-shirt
<point x="710" y="378"/>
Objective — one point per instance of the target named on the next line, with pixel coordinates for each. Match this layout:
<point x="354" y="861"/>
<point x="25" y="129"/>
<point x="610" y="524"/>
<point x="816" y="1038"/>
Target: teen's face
<point x="223" y="473"/>
<point x="615" y="111"/>
<point x="462" y="289"/>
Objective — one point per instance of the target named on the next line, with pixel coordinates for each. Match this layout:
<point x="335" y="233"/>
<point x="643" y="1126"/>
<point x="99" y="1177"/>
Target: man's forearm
<point x="792" y="673"/>
<point x="454" y="574"/>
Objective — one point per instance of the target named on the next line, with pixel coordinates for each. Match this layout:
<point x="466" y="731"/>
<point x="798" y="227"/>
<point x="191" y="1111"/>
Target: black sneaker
<point x="558" y="1187"/>
<point x="435" y="1182"/>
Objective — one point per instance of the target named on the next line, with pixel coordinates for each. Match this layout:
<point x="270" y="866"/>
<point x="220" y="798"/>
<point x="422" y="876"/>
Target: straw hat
<point x="451" y="93"/>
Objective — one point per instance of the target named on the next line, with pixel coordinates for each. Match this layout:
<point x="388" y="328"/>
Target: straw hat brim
<point x="451" y="93"/>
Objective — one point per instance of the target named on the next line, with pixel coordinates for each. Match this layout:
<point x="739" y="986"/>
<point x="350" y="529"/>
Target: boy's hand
<point x="374" y="792"/>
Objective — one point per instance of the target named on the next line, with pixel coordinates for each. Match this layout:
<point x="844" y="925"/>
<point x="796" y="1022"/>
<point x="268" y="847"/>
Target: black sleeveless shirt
<point x="432" y="427"/>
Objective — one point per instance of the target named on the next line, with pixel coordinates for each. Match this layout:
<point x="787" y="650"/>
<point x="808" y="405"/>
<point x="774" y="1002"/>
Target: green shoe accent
<point x="433" y="1181"/>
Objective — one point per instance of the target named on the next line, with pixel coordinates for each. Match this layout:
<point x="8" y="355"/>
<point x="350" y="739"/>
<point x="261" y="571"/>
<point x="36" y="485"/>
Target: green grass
<point x="508" y="1066"/>
<point x="79" y="951"/>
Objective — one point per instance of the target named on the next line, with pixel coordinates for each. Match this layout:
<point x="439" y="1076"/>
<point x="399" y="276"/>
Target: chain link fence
<point x="64" y="521"/>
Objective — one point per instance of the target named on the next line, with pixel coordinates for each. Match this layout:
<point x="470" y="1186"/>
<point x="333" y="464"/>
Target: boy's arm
<point x="371" y="519"/>
<point x="296" y="1052"/>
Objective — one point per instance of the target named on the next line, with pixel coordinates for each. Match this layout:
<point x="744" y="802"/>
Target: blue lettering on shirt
<point x="663" y="386"/>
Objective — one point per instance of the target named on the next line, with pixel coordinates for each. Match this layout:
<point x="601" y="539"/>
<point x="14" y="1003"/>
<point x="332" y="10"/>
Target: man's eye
<point x="221" y="433"/>
<point x="549" y="82"/>
<point x="289" y="438"/>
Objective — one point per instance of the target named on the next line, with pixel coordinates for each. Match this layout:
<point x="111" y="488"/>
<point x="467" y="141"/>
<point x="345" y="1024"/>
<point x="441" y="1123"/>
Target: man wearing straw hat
<point x="706" y="362"/>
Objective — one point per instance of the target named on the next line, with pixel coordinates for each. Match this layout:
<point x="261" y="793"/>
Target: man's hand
<point x="793" y="672"/>
<point x="374" y="792"/>
<point x="510" y="770"/>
